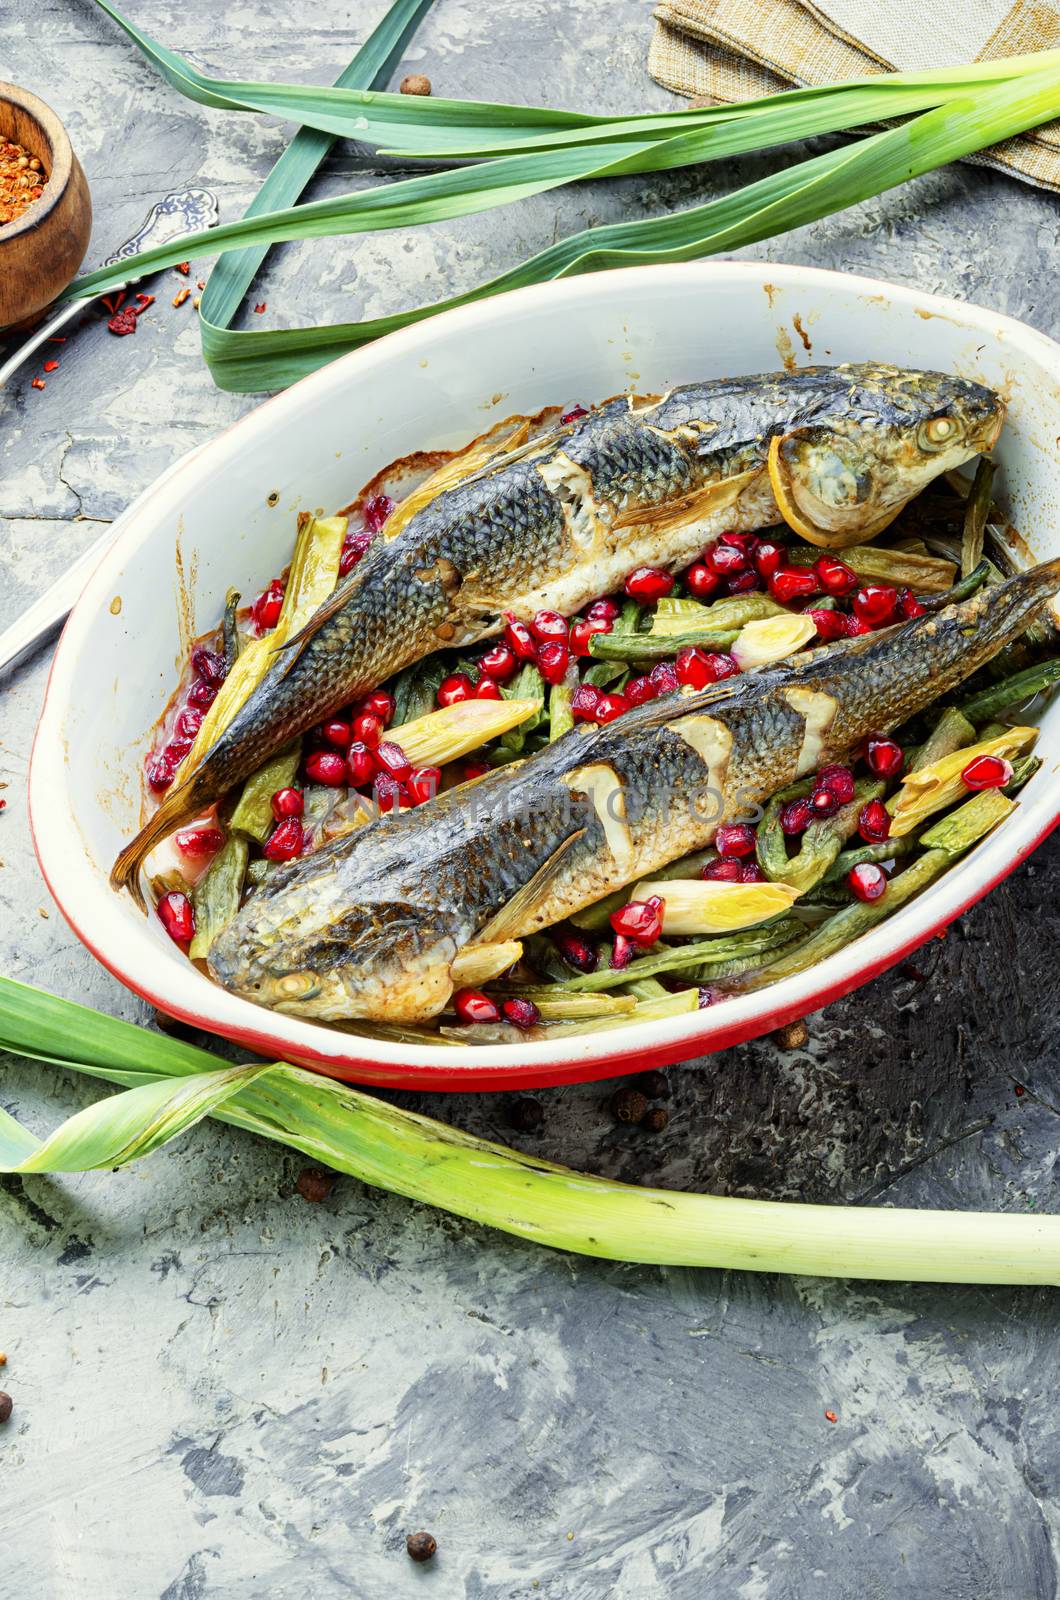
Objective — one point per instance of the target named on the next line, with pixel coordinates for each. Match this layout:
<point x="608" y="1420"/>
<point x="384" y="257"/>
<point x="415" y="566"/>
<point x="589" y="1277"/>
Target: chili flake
<point x="180" y="296"/>
<point x="22" y="180"/>
<point x="123" y="322"/>
<point x="260" y="308"/>
<point x="38" y="383"/>
<point x="830" y="1416"/>
<point x="201" y="284"/>
<point x="183" y="266"/>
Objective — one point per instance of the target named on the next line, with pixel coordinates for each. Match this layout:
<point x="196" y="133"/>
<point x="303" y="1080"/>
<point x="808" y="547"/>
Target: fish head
<point x="876" y="439"/>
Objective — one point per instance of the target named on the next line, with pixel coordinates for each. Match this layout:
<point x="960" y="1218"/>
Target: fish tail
<point x="179" y="806"/>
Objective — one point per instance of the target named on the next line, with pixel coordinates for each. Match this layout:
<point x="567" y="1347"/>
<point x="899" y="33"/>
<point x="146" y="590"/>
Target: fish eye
<point x="935" y="432"/>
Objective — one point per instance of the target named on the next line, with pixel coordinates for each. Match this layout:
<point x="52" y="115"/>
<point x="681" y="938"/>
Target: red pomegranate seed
<point x="208" y="665"/>
<point x="727" y="869"/>
<point x="692" y="669"/>
<point x="752" y="873"/>
<point x="987" y="772"/>
<point x="499" y="663"/>
<point x="735" y="839"/>
<point x="326" y="766"/>
<point x="354" y="547"/>
<point x="265" y="612"/>
<point x="796" y="816"/>
<point x="519" y="638"/>
<point x="199" y="842"/>
<point x="768" y="557"/>
<point x="622" y="953"/>
<point x="875" y="604"/>
<point x="584" y="702"/>
<point x="823" y="803"/>
<point x="285" y="841"/>
<point x="829" y="624"/>
<point x="287" y="803"/>
<point x="640" y="690"/>
<point x="455" y="689"/>
<point x="188" y="723"/>
<point x="521" y="1013"/>
<point x="664" y="676"/>
<point x="701" y="581"/>
<point x="549" y="625"/>
<point x="742" y="583"/>
<point x="487" y="689"/>
<point x="381" y="704"/>
<point x="367" y="728"/>
<point x="177" y="917"/>
<point x="376" y="511"/>
<point x="610" y="706"/>
<point x="867" y="881"/>
<point x="792" y="583"/>
<point x="834" y="576"/>
<point x="640" y="920"/>
<point x="909" y="606"/>
<point x="393" y="759"/>
<point x="574" y="413"/>
<point x="474" y="769"/>
<point x="202" y="695"/>
<point x="840" y="780"/>
<point x="337" y="733"/>
<point x="883" y="757"/>
<point x="720" y="666"/>
<point x="388" y="793"/>
<point x="176" y="750"/>
<point x="361" y="765"/>
<point x="604" y="611"/>
<point x="576" y="951"/>
<point x="725" y="559"/>
<point x="645" y="584"/>
<point x="747" y="542"/>
<point x="471" y="1005"/>
<point x="874" y="823"/>
<point x="553" y="659"/>
<point x="581" y="631"/>
<point x="160" y="770"/>
<point x="424" y="784"/>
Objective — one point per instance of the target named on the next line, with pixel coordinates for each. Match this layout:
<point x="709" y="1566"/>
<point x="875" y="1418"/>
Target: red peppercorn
<point x="622" y="953"/>
<point x="867" y="881"/>
<point x="423" y="784"/>
<point x="553" y="660"/>
<point x="725" y="559"/>
<point x="381" y="704"/>
<point x="471" y="1005"/>
<point x="285" y="841"/>
<point x="209" y="665"/>
<point x="640" y="920"/>
<point x="574" y="413"/>
<point x="499" y="663"/>
<point x="455" y="689"/>
<point x="792" y="583"/>
<point x="177" y="917"/>
<point x="639" y="690"/>
<point x="701" y="581"/>
<point x="752" y="873"/>
<point x="287" y="803"/>
<point x="834" y="576"/>
<point x="584" y="702"/>
<point x="265" y="612"/>
<point x="199" y="842"/>
<point x="768" y="557"/>
<point x="645" y="584"/>
<point x="735" y="839"/>
<point x="521" y="1013"/>
<point x="337" y="733"/>
<point x="202" y="695"/>
<point x="360" y="763"/>
<point x="549" y="625"/>
<point x="875" y="604"/>
<point x="987" y="772"/>
<point x="840" y="780"/>
<point x="487" y="689"/>
<point x="367" y="728"/>
<point x="610" y="706"/>
<point x="354" y="547"/>
<point x="874" y="823"/>
<point x="829" y="624"/>
<point x="664" y="676"/>
<point x="392" y="759"/>
<point x="326" y="766"/>
<point x="796" y="816"/>
<point x="376" y="511"/>
<point x="576" y="951"/>
<point x="603" y="611"/>
<point x="727" y="869"/>
<point x="519" y="638"/>
<point x="883" y="757"/>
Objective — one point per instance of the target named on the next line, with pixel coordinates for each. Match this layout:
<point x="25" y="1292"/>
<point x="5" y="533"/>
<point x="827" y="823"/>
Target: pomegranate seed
<point x="581" y="631"/>
<point x="549" y="625"/>
<point x="387" y="793"/>
<point x="287" y="803"/>
<point x="792" y="583"/>
<point x="747" y="542"/>
<point x="337" y="733"/>
<point x="486" y="689"/>
<point x="202" y="695"/>
<point x="640" y="690"/>
<point x="209" y="666"/>
<point x="727" y="869"/>
<point x="701" y="581"/>
<point x="576" y="951"/>
<point x="376" y="511"/>
<point x="768" y="557"/>
<point x="177" y="917"/>
<point x="692" y="669"/>
<point x="874" y="823"/>
<point x="751" y="872"/>
<point x="265" y="612"/>
<point x="648" y="583"/>
<point x="285" y="841"/>
<point x="519" y="638"/>
<point x="471" y="1005"/>
<point x="883" y="757"/>
<point x="829" y="624"/>
<point x="717" y="666"/>
<point x="188" y="723"/>
<point x="360" y="763"/>
<point x="840" y="780"/>
<point x="796" y="816"/>
<point x="553" y="660"/>
<point x="584" y="702"/>
<point x="499" y="663"/>
<point x="475" y="769"/>
<point x="176" y="750"/>
<point x="574" y="413"/>
<point x="622" y="952"/>
<point x="742" y="583"/>
<point x="423" y="784"/>
<point x="987" y="772"/>
<point x="664" y="676"/>
<point x="725" y="559"/>
<point x="354" y="547"/>
<point x="834" y="576"/>
<point x="909" y="606"/>
<point x="455" y="689"/>
<point x="393" y="759"/>
<point x="875" y="604"/>
<point x="640" y="920"/>
<point x="160" y="771"/>
<point x="199" y="842"/>
<point x="610" y="706"/>
<point x="604" y="611"/>
<point x="521" y="1013"/>
<point x="381" y="704"/>
<point x="367" y="729"/>
<point x="735" y="839"/>
<point x="326" y="766"/>
<point x="823" y="803"/>
<point x="867" y="881"/>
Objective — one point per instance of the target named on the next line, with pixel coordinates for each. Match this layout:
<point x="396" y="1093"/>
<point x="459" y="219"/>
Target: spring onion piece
<point x="477" y="964"/>
<point x="217" y="895"/>
<point x="888" y="850"/>
<point x="556" y="1004"/>
<point x="771" y="639"/>
<point x="592" y="918"/>
<point x="953" y="731"/>
<point x="700" y="953"/>
<point x="922" y="574"/>
<point x="454" y="731"/>
<point x="693" y="905"/>
<point x="989" y="703"/>
<point x="461" y="465"/>
<point x="1022" y="772"/>
<point x="977" y="510"/>
<point x="679" y="616"/>
<point x="935" y="787"/>
<point x="560" y="716"/>
<point x="772" y="847"/>
<point x="230" y="630"/>
<point x="822" y="841"/>
<point x="963" y="589"/>
<point x="253" y="813"/>
<point x="969" y="823"/>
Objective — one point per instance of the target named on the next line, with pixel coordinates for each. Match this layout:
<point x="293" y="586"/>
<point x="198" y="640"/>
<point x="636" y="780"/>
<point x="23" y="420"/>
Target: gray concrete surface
<point x="221" y="1390"/>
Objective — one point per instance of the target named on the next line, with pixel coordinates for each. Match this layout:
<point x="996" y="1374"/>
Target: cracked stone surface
<point x="221" y="1390"/>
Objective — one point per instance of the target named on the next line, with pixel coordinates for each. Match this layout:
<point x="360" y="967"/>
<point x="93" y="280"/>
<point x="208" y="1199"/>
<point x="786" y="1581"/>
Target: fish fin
<point x="712" y="497"/>
<point x="329" y="608"/>
<point x="513" y="919"/>
<point x="783" y="480"/>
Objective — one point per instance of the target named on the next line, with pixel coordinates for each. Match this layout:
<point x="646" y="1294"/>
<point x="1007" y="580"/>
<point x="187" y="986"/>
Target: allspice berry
<point x="415" y="83"/>
<point x="527" y="1115"/>
<point x="656" y="1119"/>
<point x="792" y="1036"/>
<point x="655" y="1085"/>
<point x="628" y="1105"/>
<point x="421" y="1546"/>
<point x="6" y="1406"/>
<point x="314" y="1185"/>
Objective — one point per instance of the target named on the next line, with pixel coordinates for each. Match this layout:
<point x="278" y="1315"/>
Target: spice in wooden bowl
<point x="22" y="180"/>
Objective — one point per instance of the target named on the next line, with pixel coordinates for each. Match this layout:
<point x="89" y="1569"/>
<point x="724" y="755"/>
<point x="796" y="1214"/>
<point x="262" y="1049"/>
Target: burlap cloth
<point x="736" y="49"/>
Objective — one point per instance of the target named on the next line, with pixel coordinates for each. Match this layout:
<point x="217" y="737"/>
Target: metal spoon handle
<point x="46" y="613"/>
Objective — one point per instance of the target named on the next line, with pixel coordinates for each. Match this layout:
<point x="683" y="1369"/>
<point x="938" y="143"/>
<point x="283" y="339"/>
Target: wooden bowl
<point x="43" y="247"/>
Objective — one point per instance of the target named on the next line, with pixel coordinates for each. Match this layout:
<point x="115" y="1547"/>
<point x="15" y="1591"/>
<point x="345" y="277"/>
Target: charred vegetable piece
<point x="217" y="895"/>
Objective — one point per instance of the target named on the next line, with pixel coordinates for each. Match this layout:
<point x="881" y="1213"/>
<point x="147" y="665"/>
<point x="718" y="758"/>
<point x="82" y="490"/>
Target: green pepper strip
<point x="253" y="812"/>
<point x="889" y="850"/>
<point x="217" y="894"/>
<point x="977" y="510"/>
<point x="700" y="953"/>
<point x="951" y="732"/>
<point x="1021" y="686"/>
<point x="658" y="647"/>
